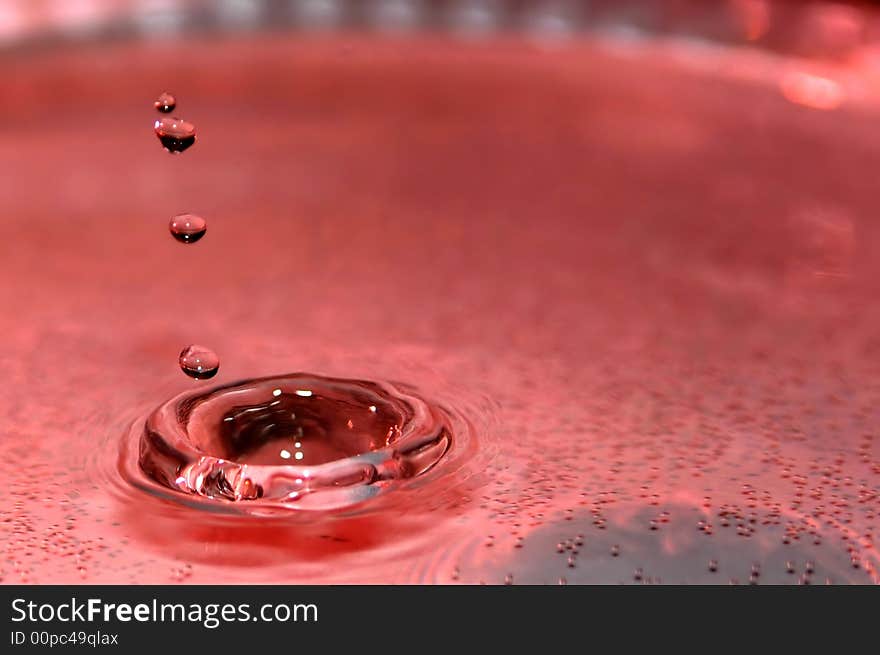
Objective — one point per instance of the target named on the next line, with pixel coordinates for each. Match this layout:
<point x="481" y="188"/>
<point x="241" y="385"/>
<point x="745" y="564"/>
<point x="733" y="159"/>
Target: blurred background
<point x="808" y="27"/>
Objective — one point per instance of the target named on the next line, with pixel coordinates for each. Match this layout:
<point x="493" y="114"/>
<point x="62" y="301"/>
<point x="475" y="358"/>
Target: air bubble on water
<point x="199" y="362"/>
<point x="175" y="134"/>
<point x="188" y="228"/>
<point x="165" y="103"/>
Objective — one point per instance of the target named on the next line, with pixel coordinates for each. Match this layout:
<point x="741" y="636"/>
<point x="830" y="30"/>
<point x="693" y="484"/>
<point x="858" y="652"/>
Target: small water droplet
<point x="188" y="228"/>
<point x="165" y="103"/>
<point x="713" y="565"/>
<point x="508" y="579"/>
<point x="199" y="362"/>
<point x="175" y="134"/>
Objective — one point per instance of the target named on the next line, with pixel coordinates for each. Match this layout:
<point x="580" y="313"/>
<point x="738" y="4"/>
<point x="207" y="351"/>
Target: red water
<point x="650" y="286"/>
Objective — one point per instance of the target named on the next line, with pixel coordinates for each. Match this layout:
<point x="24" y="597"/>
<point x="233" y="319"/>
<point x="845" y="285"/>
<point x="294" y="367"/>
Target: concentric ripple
<point x="291" y="442"/>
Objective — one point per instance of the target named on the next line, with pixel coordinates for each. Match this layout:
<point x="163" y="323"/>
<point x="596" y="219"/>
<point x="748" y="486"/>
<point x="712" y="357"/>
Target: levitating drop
<point x="199" y="362"/>
<point x="188" y="228"/>
<point x="175" y="134"/>
<point x="165" y="103"/>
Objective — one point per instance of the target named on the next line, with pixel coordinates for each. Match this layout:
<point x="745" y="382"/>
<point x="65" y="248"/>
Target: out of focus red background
<point x="807" y="26"/>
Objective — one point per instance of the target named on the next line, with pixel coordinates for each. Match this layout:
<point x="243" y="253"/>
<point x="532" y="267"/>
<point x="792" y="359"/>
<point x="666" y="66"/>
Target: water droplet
<point x="175" y="134"/>
<point x="199" y="362"/>
<point x="188" y="228"/>
<point x="615" y="550"/>
<point x="165" y="103"/>
<point x="713" y="565"/>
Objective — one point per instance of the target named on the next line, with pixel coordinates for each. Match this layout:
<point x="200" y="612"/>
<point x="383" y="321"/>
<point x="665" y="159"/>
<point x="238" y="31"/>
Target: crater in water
<point x="298" y="441"/>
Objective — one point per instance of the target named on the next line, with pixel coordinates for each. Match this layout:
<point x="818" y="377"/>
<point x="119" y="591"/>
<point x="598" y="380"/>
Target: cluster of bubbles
<point x="176" y="135"/>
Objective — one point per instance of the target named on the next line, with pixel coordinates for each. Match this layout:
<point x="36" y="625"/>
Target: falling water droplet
<point x="188" y="228"/>
<point x="199" y="362"/>
<point x="165" y="103"/>
<point x="175" y="134"/>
